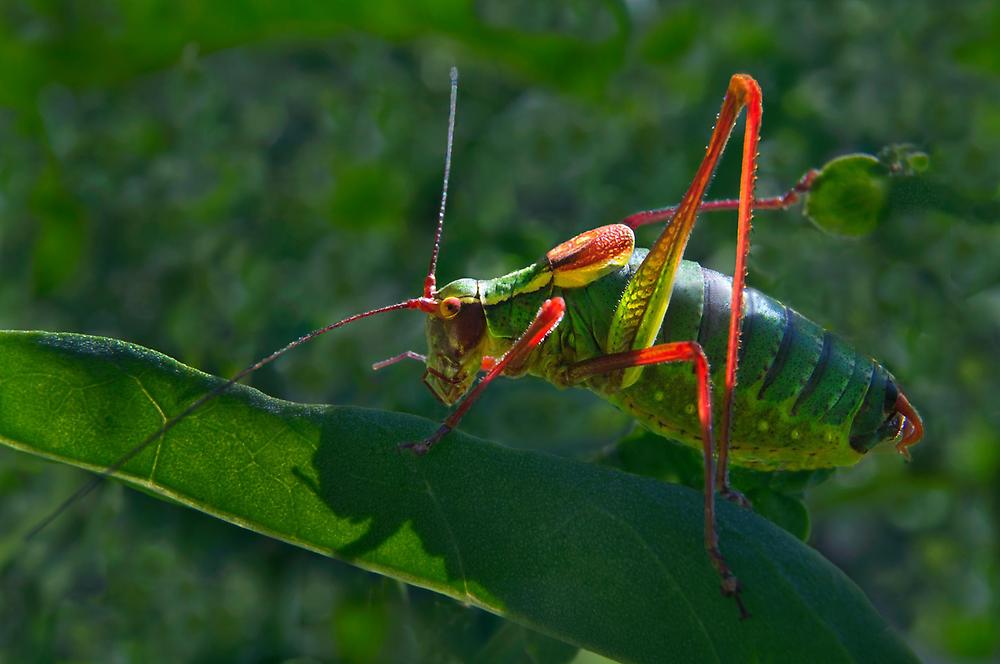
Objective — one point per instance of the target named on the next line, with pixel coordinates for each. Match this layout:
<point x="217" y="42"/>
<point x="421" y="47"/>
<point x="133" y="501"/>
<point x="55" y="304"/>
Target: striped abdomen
<point x="804" y="399"/>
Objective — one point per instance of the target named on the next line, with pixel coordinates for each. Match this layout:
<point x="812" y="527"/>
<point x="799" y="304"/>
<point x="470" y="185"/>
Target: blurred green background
<point x="213" y="179"/>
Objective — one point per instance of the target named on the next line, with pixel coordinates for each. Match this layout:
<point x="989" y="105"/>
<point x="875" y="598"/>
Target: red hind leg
<point x="642" y="306"/>
<point x="785" y="200"/>
<point x="751" y="97"/>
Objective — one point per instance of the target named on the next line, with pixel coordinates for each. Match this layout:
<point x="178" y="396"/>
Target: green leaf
<point x="594" y="556"/>
<point x="848" y="196"/>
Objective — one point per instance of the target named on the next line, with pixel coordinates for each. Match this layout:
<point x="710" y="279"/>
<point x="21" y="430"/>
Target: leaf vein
<point x="451" y="536"/>
<point x="668" y="575"/>
<point x="779" y="573"/>
<point x="163" y="417"/>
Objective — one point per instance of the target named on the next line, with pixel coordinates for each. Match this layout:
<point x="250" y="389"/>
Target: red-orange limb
<point x="747" y="93"/>
<point x="680" y="351"/>
<point x="785" y="200"/>
<point x="665" y="254"/>
<point x="549" y="315"/>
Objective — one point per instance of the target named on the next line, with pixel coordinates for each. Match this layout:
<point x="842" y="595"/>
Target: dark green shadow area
<point x="597" y="557"/>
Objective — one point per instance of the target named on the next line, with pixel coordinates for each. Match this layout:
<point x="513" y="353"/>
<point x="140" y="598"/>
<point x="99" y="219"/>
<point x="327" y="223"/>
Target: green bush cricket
<point x="630" y="325"/>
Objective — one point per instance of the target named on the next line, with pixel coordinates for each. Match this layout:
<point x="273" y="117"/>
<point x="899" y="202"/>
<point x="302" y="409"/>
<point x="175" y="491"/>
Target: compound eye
<point x="450" y="306"/>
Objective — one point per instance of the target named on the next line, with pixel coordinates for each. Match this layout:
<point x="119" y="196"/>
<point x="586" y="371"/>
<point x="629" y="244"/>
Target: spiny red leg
<point x="643" y="305"/>
<point x="548" y="316"/>
<point x="785" y="200"/>
<point x="680" y="351"/>
<point x="748" y="176"/>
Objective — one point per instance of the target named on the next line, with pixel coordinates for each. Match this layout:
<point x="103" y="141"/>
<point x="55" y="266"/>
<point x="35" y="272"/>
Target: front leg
<point x="547" y="318"/>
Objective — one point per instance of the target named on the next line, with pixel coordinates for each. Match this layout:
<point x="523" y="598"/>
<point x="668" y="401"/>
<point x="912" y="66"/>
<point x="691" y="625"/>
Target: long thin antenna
<point x="428" y="306"/>
<point x="431" y="281"/>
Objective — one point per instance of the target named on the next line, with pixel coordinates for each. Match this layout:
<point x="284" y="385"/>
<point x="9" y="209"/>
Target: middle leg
<point x="680" y="351"/>
<point x="548" y="317"/>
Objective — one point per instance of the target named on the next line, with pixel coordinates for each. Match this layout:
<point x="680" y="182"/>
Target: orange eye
<point x="450" y="306"/>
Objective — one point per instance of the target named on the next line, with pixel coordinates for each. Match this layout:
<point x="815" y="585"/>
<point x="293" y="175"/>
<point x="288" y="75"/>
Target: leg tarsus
<point x="734" y="592"/>
<point x="727" y="492"/>
<point x="725" y="489"/>
<point x="730" y="586"/>
<point x="422" y="447"/>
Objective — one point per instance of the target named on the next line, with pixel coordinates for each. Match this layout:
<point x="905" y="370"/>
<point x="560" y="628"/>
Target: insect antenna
<point x="431" y="281"/>
<point x="426" y="303"/>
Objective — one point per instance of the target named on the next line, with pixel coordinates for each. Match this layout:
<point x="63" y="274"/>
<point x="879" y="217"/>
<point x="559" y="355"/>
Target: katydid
<point x="652" y="333"/>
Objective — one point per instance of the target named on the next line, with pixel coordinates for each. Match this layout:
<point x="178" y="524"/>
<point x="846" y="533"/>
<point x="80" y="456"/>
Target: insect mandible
<point x="651" y="333"/>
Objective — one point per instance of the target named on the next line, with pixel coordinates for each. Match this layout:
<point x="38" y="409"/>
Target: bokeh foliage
<point x="211" y="179"/>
